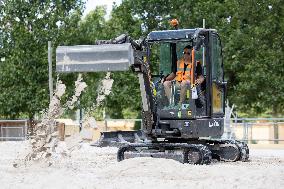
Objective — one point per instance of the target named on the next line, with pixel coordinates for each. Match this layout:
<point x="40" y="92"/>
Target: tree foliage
<point x="125" y="95"/>
<point x="255" y="57"/>
<point x="26" y="27"/>
<point x="251" y="33"/>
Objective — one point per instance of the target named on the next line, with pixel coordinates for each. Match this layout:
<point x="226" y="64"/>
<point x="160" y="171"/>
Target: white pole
<point x="203" y="49"/>
<point x="50" y="82"/>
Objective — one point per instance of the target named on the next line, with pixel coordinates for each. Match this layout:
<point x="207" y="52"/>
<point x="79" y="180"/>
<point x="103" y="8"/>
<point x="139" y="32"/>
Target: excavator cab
<point x="164" y="49"/>
<point x="169" y="54"/>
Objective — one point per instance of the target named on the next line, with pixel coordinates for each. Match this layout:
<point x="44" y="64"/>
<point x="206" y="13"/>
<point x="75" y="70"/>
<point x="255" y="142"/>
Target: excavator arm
<point x="118" y="54"/>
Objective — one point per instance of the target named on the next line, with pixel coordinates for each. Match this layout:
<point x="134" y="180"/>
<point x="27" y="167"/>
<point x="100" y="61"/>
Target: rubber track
<point x="242" y="146"/>
<point x="205" y="156"/>
<point x="244" y="150"/>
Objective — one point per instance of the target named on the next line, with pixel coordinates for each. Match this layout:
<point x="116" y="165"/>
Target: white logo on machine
<point x="186" y="124"/>
<point x="214" y="124"/>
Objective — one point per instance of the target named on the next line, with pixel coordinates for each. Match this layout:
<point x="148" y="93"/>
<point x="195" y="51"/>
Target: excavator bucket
<point x="94" y="58"/>
<point x="119" y="138"/>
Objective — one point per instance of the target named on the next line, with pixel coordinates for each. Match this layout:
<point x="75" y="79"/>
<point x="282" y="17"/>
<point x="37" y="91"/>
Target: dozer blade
<point x="94" y="58"/>
<point x="119" y="138"/>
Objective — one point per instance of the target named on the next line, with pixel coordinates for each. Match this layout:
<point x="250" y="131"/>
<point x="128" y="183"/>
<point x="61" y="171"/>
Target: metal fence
<point x="258" y="130"/>
<point x="13" y="130"/>
<point x="122" y="124"/>
<point x="251" y="130"/>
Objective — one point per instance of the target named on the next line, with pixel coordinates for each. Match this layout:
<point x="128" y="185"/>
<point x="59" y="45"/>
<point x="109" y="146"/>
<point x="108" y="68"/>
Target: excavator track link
<point x="182" y="152"/>
<point x="244" y="156"/>
<point x="204" y="158"/>
<point x="229" y="150"/>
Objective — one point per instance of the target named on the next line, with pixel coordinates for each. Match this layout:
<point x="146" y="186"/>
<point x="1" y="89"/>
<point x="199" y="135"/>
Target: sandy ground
<point x="92" y="167"/>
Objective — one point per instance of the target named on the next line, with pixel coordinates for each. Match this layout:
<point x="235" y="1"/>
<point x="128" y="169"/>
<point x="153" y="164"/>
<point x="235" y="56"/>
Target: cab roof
<point x="174" y="34"/>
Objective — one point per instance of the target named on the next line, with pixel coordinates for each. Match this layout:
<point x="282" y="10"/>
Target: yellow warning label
<point x="189" y="113"/>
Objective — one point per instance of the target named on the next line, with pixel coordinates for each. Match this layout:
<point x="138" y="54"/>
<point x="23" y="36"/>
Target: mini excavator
<point x="189" y="132"/>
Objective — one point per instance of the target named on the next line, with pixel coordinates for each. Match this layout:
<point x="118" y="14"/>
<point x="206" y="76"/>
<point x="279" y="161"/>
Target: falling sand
<point x="79" y="87"/>
<point x="104" y="89"/>
<point x="45" y="145"/>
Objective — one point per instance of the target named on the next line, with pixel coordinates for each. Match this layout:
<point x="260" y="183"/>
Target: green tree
<point x="93" y="26"/>
<point x="25" y="27"/>
<point x="251" y="31"/>
<point x="254" y="56"/>
<point x="124" y="100"/>
<point x="252" y="35"/>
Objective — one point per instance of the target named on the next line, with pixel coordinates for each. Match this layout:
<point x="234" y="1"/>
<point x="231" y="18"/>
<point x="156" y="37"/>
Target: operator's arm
<point x="170" y="77"/>
<point x="200" y="77"/>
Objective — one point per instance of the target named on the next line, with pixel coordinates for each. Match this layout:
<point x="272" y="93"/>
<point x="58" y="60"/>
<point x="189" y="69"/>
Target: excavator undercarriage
<point x="133" y="144"/>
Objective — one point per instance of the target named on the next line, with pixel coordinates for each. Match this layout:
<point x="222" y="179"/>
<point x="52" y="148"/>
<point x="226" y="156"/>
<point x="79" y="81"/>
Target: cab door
<point x="218" y="86"/>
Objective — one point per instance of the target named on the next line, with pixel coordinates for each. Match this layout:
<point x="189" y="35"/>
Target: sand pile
<point x="92" y="167"/>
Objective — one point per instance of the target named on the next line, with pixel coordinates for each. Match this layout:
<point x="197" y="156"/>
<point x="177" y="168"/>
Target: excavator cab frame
<point x="212" y="65"/>
<point x="187" y="120"/>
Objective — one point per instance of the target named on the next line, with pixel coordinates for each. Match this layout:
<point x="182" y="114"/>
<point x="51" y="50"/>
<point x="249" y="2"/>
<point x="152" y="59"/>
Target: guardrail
<point x="258" y="130"/>
<point x="124" y="123"/>
<point x="13" y="130"/>
<point x="251" y="130"/>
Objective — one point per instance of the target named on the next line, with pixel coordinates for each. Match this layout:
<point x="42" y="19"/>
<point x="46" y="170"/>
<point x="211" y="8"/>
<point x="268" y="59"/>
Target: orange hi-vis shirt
<point x="183" y="73"/>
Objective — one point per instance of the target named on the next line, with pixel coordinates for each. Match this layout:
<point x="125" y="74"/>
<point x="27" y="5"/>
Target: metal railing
<point x="133" y="121"/>
<point x="251" y="130"/>
<point x="258" y="130"/>
<point x="13" y="130"/>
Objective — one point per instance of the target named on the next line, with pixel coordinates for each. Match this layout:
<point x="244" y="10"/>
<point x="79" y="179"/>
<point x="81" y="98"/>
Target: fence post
<point x="105" y="124"/>
<point x="276" y="133"/>
<point x="26" y="130"/>
<point x="105" y="118"/>
<point x="50" y="82"/>
<point x="250" y="125"/>
<point x="61" y="131"/>
<point x="244" y="129"/>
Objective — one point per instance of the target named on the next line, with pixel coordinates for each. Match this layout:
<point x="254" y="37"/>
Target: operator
<point x="182" y="75"/>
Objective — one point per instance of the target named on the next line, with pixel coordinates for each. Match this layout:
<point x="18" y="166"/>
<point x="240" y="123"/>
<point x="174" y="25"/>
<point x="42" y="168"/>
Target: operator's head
<point x="187" y="50"/>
